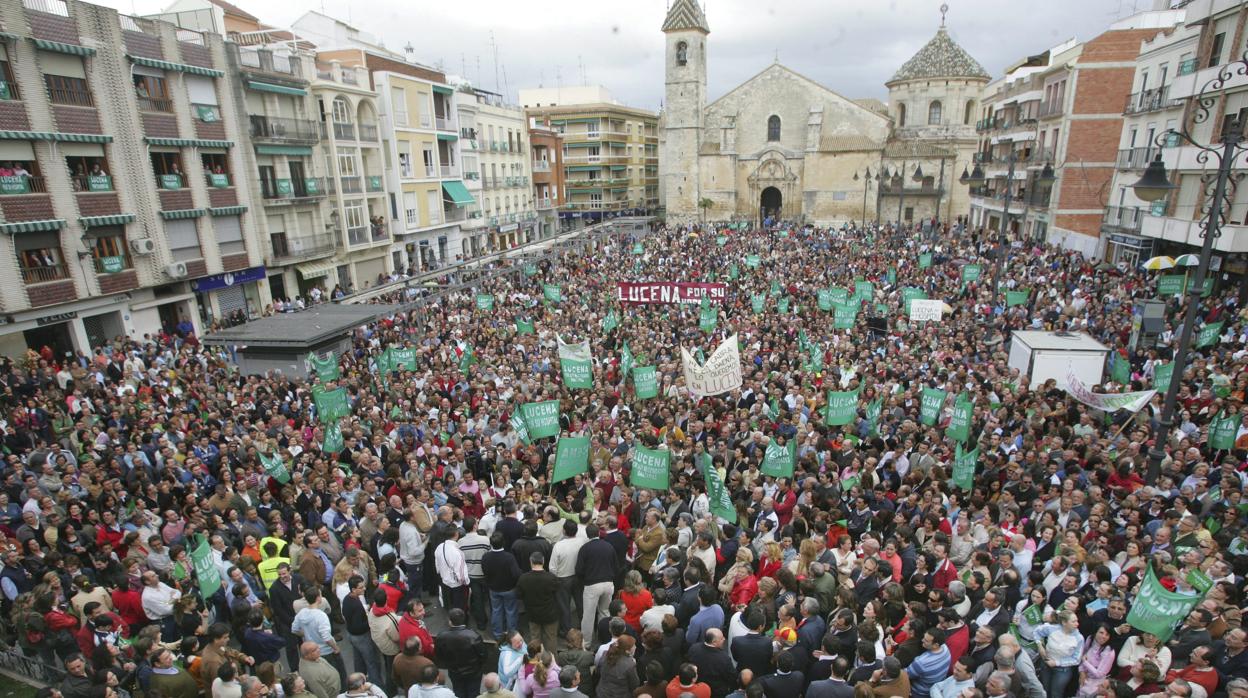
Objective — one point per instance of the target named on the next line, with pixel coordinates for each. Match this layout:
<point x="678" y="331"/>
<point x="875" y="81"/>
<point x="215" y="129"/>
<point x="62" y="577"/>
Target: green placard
<point x="1171" y="285"/>
<point x="99" y="183"/>
<point x="776" y="289"/>
<point x="333" y="441"/>
<point x="717" y="495"/>
<point x="842" y="408"/>
<point x="874" y="410"/>
<point x="275" y="468"/>
<point x="577" y="374"/>
<point x="325" y="368"/>
<point x="1209" y="335"/>
<point x="734" y="272"/>
<point x="404" y="359"/>
<point x="571" y="457"/>
<point x="530" y="269"/>
<point x="846" y="316"/>
<point x="929" y="407"/>
<point x="752" y="261"/>
<point x="610" y="321"/>
<point x="207" y="113"/>
<point x="1222" y="431"/>
<point x="1199" y="581"/>
<point x="1156" y="609"/>
<point x="650" y="468"/>
<point x="971" y="272"/>
<point x="170" y="181"/>
<point x="284" y="187"/>
<point x="525" y="327"/>
<point x="645" y="382"/>
<point x="541" y="418"/>
<point x="1034" y="615"/>
<point x="1161" y="376"/>
<point x="960" y="424"/>
<point x="892" y="276"/>
<point x="779" y="461"/>
<point x="638" y="248"/>
<point x="721" y="240"/>
<point x="964" y="468"/>
<point x="783" y="305"/>
<point x="14" y="184"/>
<point x="911" y="293"/>
<point x="864" y="289"/>
<point x="112" y="265"/>
<point x="218" y="180"/>
<point x="925" y="260"/>
<point x="206" y="572"/>
<point x="1013" y="298"/>
<point x="485" y="301"/>
<point x="312" y="186"/>
<point x="517" y="422"/>
<point x="552" y="293"/>
<point x="757" y="301"/>
<point x="825" y="299"/>
<point x="708" y="319"/>
<point x="627" y="361"/>
<point x="330" y="404"/>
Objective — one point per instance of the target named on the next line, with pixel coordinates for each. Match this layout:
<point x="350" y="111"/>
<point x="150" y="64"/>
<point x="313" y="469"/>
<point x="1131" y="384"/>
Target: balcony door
<point x="298" y="178"/>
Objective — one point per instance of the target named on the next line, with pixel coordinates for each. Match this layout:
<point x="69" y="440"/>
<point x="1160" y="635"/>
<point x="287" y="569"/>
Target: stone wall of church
<point x="831" y="196"/>
<point x="959" y="108"/>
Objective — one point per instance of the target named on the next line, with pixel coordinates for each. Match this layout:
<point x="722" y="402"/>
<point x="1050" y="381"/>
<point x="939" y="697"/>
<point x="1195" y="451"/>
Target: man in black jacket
<point x="714" y="665"/>
<point x="501" y="573"/>
<point x="528" y="544"/>
<point x="596" y="566"/>
<point x="689" y="603"/>
<point x="753" y="650"/>
<point x="461" y="652"/>
<point x="539" y="589"/>
<point x="787" y="681"/>
<point x="283" y="593"/>
<point x="367" y="659"/>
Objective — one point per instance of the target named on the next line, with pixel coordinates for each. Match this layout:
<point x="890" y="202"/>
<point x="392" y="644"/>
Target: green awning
<point x="185" y="142"/>
<point x="5" y="36"/>
<point x="582" y="145"/>
<point x="32" y="226"/>
<point x="447" y="137"/>
<point x="182" y="213"/>
<point x="283" y="150"/>
<point x="315" y="270"/>
<point x="278" y="89"/>
<point x="99" y="221"/>
<point x="178" y="67"/>
<point x="619" y="167"/>
<point x="585" y="190"/>
<point x="442" y="90"/>
<point x="53" y="136"/>
<point x="457" y="192"/>
<point x="227" y="211"/>
<point x="585" y="168"/>
<point x="575" y="121"/>
<point x="57" y="46"/>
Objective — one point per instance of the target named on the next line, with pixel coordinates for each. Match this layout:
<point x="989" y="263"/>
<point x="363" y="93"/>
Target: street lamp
<point x="866" y="183"/>
<point x="1155" y="185"/>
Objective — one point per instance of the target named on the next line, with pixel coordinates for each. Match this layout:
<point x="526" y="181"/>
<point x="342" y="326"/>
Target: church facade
<point x="781" y="145"/>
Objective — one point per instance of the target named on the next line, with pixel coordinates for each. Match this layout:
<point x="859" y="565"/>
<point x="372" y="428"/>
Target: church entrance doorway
<point x="769" y="204"/>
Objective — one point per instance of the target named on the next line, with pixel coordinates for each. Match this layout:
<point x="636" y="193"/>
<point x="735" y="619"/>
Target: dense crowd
<point x="868" y="572"/>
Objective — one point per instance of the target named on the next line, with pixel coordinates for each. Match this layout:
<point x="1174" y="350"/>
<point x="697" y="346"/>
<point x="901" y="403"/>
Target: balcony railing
<point x="169" y="181"/>
<point x="1149" y="100"/>
<point x="344" y="132"/>
<point x="307" y="188"/>
<point x="448" y="170"/>
<point x="368" y="132"/>
<point x="431" y="170"/>
<point x="278" y="128"/>
<point x="472" y="175"/>
<point x="161" y="104"/>
<point x="43" y="274"/>
<point x="91" y="183"/>
<point x="52" y="7"/>
<point x="983" y="158"/>
<point x="1135" y="158"/>
<point x="443" y="123"/>
<point x="351" y="185"/>
<point x="541" y="166"/>
<point x="22" y="184"/>
<point x="1189" y="66"/>
<point x="217" y="180"/>
<point x="77" y="98"/>
<point x="1123" y="217"/>
<point x="1050" y="108"/>
<point x="358" y="235"/>
<point x="289" y="249"/>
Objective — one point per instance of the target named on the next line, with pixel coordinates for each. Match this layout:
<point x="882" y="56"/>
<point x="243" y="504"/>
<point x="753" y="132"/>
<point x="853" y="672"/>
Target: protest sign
<point x="720" y="374"/>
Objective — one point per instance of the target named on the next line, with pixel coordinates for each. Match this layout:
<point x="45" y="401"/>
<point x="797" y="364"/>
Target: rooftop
<point x="941" y="57"/>
<point x="303" y="330"/>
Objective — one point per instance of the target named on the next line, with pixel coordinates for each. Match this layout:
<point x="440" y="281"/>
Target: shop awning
<point x="585" y="168"/>
<point x="185" y="142"/>
<point x="33" y="226"/>
<point x="227" y="211"/>
<point x="277" y="89"/>
<point x="52" y="136"/>
<point x="443" y="90"/>
<point x="73" y="49"/>
<point x="182" y="213"/>
<point x="100" y="221"/>
<point x="315" y="270"/>
<point x="447" y="137"/>
<point x="457" y="193"/>
<point x="283" y="150"/>
<point x="6" y="36"/>
<point x="177" y="67"/>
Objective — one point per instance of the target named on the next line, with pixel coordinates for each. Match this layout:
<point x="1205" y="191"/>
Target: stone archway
<point x="770" y="203"/>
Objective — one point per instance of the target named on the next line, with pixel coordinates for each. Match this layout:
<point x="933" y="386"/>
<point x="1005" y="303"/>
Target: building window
<point x="152" y="92"/>
<point x="108" y="249"/>
<point x="65" y="78"/>
<point x="773" y="128"/>
<point x="933" y="113"/>
<point x="901" y="115"/>
<point x="20" y="175"/>
<point x="8" y="87"/>
<point x="89" y="173"/>
<point x="1215" y="53"/>
<point x="411" y="209"/>
<point x="216" y="169"/>
<point x="183" y="238"/>
<point x="398" y="104"/>
<point x="168" y="169"/>
<point x="229" y="232"/>
<point x="682" y="53"/>
<point x="969" y="113"/>
<point x="39" y="257"/>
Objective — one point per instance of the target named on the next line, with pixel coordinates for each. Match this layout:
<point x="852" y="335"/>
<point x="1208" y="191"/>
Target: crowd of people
<point x="134" y="477"/>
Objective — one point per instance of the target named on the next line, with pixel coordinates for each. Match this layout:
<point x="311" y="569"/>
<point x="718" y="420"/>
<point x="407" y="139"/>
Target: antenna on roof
<point x="494" y="48"/>
<point x="944" y="9"/>
<point x="409" y="50"/>
<point x="581" y="63"/>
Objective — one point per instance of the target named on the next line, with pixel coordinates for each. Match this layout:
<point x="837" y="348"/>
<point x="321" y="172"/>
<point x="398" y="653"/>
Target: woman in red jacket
<point x="61" y="626"/>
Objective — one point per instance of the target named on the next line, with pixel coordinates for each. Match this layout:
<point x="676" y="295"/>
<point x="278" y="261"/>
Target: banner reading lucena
<point x="720" y="374"/>
<point x="669" y="292"/>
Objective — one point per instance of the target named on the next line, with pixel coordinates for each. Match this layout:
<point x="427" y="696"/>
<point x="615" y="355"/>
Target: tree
<point x="705" y="203"/>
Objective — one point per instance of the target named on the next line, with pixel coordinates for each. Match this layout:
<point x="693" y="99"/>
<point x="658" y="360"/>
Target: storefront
<point x="224" y="295"/>
<point x="71" y="327"/>
<point x="1128" y="250"/>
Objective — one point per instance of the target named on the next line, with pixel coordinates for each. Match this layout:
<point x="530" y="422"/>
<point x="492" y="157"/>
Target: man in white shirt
<point x="955" y="683"/>
<point x="158" y="599"/>
<point x="563" y="566"/>
<point x="453" y="572"/>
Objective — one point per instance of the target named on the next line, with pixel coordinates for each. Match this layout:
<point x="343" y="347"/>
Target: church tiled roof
<point x="685" y="14"/>
<point x="940" y="58"/>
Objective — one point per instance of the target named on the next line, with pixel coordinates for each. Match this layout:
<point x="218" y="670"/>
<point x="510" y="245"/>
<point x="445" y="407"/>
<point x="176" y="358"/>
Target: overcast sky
<point x="850" y="46"/>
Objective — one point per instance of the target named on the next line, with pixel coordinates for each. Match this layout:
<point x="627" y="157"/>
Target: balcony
<point x="541" y="166"/>
<point x="351" y="185"/>
<point x="1123" y="218"/>
<point x="1052" y="108"/>
<point x="344" y="132"/>
<point x="368" y="132"/>
<point x="373" y="184"/>
<point x="472" y="175"/>
<point x="1155" y="99"/>
<point x="169" y="181"/>
<point x="45" y="273"/>
<point x="447" y="171"/>
<point x="71" y="97"/>
<point x="1135" y="158"/>
<point x="92" y="183"/>
<point x="358" y="235"/>
<point x="443" y="123"/>
<point x="22" y="184"/>
<point x="217" y="180"/>
<point x="379" y="232"/>
<point x="983" y="158"/>
<point x="1189" y="66"/>
<point x="1233" y="238"/>
<point x="987" y="124"/>
<point x="288" y="190"/>
<point x="279" y="129"/>
<point x="286" y="249"/>
<point x="157" y="104"/>
<point x="543" y="204"/>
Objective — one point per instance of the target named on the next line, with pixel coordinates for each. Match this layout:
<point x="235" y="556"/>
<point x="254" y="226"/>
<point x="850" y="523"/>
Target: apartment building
<point x="506" y="174"/>
<point x="124" y="204"/>
<point x="1221" y="29"/>
<point x="546" y="146"/>
<point x="610" y="151"/>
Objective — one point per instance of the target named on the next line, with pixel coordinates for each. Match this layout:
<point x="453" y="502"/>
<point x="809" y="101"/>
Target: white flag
<point x="720" y="374"/>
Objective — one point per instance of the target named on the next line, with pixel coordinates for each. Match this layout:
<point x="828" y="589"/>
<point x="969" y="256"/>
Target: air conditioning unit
<point x="177" y="270"/>
<point x="142" y="246"/>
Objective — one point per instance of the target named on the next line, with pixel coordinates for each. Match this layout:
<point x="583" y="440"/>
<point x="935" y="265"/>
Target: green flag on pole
<point x="627" y="361"/>
<point x="541" y="418"/>
<point x="552" y="293"/>
<point x="757" y="302"/>
<point x="1156" y="609"/>
<point x="783" y="305"/>
<point x="717" y="495"/>
<point x="930" y="404"/>
<point x="327" y="368"/>
<point x="925" y="260"/>
<point x="845" y="317"/>
<point x="610" y="321"/>
<point x="571" y="457"/>
<point x="522" y="428"/>
<point x="1222" y="431"/>
<point x="779" y="461"/>
<point x="206" y="572"/>
<point x="1209" y="335"/>
<point x="525" y="327"/>
<point x="964" y="468"/>
<point x="332" y="441"/>
<point x="1161" y="376"/>
<point x="330" y="404"/>
<point x="485" y="301"/>
<point x="752" y="261"/>
<point x="960" y="425"/>
<point x="708" y="319"/>
<point x="842" y="408"/>
<point x="825" y="299"/>
<point x="874" y="410"/>
<point x="275" y="468"/>
<point x="651" y="468"/>
<point x="576" y="364"/>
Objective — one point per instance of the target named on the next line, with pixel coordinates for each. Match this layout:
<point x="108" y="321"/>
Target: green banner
<point x="911" y="293"/>
<point x="864" y="290"/>
<point x="779" y="461"/>
<point x="1222" y="431"/>
<point x="99" y="183"/>
<point x="332" y="441"/>
<point x="14" y="184"/>
<point x="467" y="357"/>
<point x="782" y="305"/>
<point x="929" y="407"/>
<point x="846" y="316"/>
<point x="1156" y="609"/>
<point x="1013" y="298"/>
<point x="721" y="240"/>
<point x="552" y="293"/>
<point x="325" y="368"/>
<point x="645" y="382"/>
<point x="1161" y="376"/>
<point x="517" y="422"/>
<point x="651" y="468"/>
<point x="757" y="301"/>
<point x="752" y="261"/>
<point x="892" y="276"/>
<point x="541" y="418"/>
<point x="874" y="410"/>
<point x="530" y="269"/>
<point x="1171" y="285"/>
<point x="1119" y="368"/>
<point x="734" y="272"/>
<point x="218" y="180"/>
<point x="610" y="321"/>
<point x="207" y="113"/>
<point x="925" y="260"/>
<point x="964" y="468"/>
<point x="284" y="187"/>
<point x="971" y="272"/>
<point x="330" y="404"/>
<point x="1209" y="335"/>
<point x="717" y="495"/>
<point x="206" y="572"/>
<point x="960" y="424"/>
<point x="525" y="327"/>
<point x="485" y="301"/>
<point x="404" y="359"/>
<point x="312" y="186"/>
<point x="825" y="299"/>
<point x="776" y="289"/>
<point x="839" y="295"/>
<point x="275" y="468"/>
<point x="112" y="265"/>
<point x="170" y="181"/>
<point x="577" y="374"/>
<point x="638" y="248"/>
<point x="571" y="457"/>
<point x="842" y="408"/>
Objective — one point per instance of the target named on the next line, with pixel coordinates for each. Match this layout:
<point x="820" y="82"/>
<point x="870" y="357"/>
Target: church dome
<point x="939" y="58"/>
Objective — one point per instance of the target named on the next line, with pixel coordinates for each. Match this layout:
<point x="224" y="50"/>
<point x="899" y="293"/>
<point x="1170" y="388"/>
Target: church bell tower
<point x="684" y="104"/>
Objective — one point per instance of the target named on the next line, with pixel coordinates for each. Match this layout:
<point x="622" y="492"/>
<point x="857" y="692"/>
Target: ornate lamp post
<point x="866" y="183"/>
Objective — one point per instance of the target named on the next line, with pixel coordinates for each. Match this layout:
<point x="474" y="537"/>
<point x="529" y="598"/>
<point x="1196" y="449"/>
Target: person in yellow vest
<point x="272" y="559"/>
<point x="280" y="544"/>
